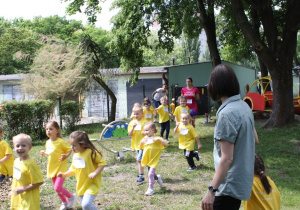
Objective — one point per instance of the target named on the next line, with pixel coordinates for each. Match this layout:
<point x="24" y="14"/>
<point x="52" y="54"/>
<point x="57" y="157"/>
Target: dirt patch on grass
<point x="5" y="188"/>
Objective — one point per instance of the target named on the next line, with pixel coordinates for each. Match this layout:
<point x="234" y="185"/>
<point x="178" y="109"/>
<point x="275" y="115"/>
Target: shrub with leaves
<point x="70" y="114"/>
<point x="25" y="117"/>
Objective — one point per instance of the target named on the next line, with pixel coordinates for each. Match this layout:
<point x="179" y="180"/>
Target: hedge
<point x="26" y="117"/>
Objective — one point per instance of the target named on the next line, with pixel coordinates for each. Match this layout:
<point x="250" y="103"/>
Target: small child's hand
<point x="60" y="174"/>
<point x="63" y="157"/>
<point x="134" y="125"/>
<point x="92" y="175"/>
<point x="199" y="146"/>
<point x="43" y="153"/>
<point x="178" y="123"/>
<point x="18" y="190"/>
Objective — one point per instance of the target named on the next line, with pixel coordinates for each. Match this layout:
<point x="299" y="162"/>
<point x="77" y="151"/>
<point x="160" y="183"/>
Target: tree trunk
<point x="112" y="116"/>
<point x="277" y="54"/>
<point x="207" y="18"/>
<point x="283" y="107"/>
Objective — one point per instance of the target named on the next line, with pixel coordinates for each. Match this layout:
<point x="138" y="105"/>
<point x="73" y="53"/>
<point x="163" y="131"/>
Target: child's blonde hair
<point x="181" y="98"/>
<point x="163" y="98"/>
<point x="23" y="136"/>
<point x="152" y="126"/>
<point x="56" y="126"/>
<point x="137" y="107"/>
<point x="82" y="139"/>
<point x="184" y="113"/>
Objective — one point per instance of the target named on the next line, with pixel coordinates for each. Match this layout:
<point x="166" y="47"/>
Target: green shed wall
<point x="200" y="73"/>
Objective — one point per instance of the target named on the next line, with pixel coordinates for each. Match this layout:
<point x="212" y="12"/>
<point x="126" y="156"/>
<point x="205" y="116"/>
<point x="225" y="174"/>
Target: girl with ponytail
<point x="265" y="195"/>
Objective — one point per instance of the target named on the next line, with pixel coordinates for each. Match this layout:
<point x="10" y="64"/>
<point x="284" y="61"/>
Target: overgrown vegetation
<point x="70" y="115"/>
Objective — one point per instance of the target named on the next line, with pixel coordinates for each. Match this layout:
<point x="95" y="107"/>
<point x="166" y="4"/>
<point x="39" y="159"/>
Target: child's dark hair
<point x="152" y="126"/>
<point x="83" y="140"/>
<point x="56" y="126"/>
<point x="181" y="98"/>
<point x="259" y="170"/>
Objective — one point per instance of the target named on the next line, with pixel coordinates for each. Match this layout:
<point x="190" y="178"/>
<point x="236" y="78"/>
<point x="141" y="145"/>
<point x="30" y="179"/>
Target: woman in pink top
<point x="192" y="94"/>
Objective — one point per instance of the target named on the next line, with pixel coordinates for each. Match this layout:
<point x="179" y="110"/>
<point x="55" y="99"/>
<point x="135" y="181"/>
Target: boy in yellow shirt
<point x="172" y="106"/>
<point x="187" y="137"/>
<point x="6" y="159"/>
<point x="27" y="177"/>
<point x="135" y="130"/>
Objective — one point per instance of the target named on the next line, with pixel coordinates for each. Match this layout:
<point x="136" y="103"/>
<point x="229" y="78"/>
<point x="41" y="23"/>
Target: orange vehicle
<point x="264" y="101"/>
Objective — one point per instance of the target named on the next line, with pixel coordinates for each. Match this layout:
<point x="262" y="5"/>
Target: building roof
<point x="11" y="77"/>
<point x="143" y="70"/>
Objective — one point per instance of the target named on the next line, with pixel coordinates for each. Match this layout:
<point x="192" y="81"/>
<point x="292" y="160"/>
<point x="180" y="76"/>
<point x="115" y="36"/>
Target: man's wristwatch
<point x="212" y="189"/>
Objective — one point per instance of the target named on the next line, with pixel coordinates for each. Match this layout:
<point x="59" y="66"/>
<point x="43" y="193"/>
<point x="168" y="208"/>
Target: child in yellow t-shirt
<point x="164" y="117"/>
<point x="187" y="137"/>
<point x="135" y="130"/>
<point x="27" y="176"/>
<point x="58" y="151"/>
<point x="152" y="150"/>
<point x="6" y="159"/>
<point x="182" y="108"/>
<point x="172" y="106"/>
<point x="148" y="111"/>
<point x="265" y="194"/>
<point x="87" y="164"/>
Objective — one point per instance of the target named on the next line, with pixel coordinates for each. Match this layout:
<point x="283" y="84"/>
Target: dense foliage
<point x="26" y="117"/>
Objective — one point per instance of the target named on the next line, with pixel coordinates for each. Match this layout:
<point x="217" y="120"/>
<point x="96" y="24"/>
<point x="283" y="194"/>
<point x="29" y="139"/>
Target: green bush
<point x="70" y="115"/>
<point x="26" y="117"/>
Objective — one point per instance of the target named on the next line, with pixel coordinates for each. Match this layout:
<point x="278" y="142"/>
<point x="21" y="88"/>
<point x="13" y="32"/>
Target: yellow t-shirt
<point x="137" y="135"/>
<point x="163" y="112"/>
<point x="152" y="152"/>
<point x="187" y="135"/>
<point x="148" y="115"/>
<point x="172" y="105"/>
<point x="260" y="200"/>
<point x="82" y="166"/>
<point x="179" y="110"/>
<point x="26" y="172"/>
<point x="54" y="149"/>
<point x="6" y="168"/>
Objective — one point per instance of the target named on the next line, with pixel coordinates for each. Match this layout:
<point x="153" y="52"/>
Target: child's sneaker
<point x="159" y="180"/>
<point x="64" y="206"/>
<point x="2" y="177"/>
<point x="150" y="192"/>
<point x="141" y="179"/>
<point x="168" y="141"/>
<point x="197" y="156"/>
<point x="192" y="168"/>
<point x="71" y="201"/>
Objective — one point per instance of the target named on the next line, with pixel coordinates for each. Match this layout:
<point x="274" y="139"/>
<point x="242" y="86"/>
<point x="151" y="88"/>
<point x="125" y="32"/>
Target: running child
<point x="58" y="151"/>
<point x="6" y="159"/>
<point x="182" y="108"/>
<point x="152" y="146"/>
<point x="135" y="130"/>
<point x="187" y="137"/>
<point x="27" y="176"/>
<point x="87" y="164"/>
<point x="148" y="110"/>
<point x="265" y="194"/>
<point x="164" y="117"/>
<point x="172" y="106"/>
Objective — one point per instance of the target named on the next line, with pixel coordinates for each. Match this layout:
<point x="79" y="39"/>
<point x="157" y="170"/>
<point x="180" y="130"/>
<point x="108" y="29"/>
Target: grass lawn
<point x="280" y="149"/>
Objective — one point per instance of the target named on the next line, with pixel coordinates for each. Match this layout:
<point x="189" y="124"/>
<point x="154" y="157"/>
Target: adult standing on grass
<point x="234" y="144"/>
<point x="192" y="95"/>
<point x="158" y="94"/>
